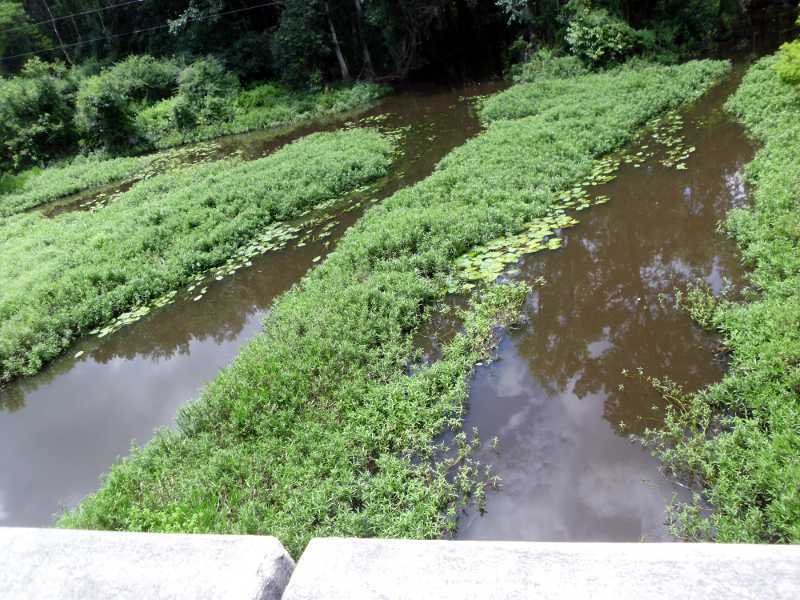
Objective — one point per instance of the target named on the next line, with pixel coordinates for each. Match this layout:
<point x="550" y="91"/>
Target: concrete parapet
<point x="360" y="569"/>
<point x="95" y="565"/>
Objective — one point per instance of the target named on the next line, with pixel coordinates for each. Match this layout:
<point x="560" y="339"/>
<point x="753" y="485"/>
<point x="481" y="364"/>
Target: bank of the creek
<point x="62" y="429"/>
<point x="558" y="397"/>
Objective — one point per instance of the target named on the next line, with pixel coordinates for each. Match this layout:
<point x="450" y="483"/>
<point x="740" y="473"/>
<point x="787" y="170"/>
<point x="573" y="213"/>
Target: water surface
<point x="558" y="399"/>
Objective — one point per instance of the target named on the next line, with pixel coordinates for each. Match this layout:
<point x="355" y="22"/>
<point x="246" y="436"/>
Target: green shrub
<point x="61" y="277"/>
<point x="35" y="115"/>
<point x="206" y="90"/>
<point x="788" y="63"/>
<point x="547" y="64"/>
<point x="206" y="77"/>
<point x="262" y="95"/>
<point x="106" y="103"/>
<point x="318" y="428"/>
<point x="599" y="38"/>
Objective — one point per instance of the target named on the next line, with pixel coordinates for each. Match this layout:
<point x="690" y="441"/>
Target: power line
<point x="137" y="31"/>
<point x="69" y="16"/>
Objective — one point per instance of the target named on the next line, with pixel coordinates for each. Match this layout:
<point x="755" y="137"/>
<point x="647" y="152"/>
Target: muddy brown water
<point x="556" y="397"/>
<point x="62" y="429"/>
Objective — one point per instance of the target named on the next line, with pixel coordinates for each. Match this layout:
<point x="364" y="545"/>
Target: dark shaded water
<point x="557" y="397"/>
<point x="60" y="430"/>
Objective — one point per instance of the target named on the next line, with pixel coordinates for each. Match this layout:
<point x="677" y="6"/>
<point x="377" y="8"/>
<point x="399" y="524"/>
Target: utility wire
<point x="77" y="14"/>
<point x="137" y="31"/>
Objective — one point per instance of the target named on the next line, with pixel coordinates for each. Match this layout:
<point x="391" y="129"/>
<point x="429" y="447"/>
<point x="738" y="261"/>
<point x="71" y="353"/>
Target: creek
<point x="567" y="389"/>
<point x="62" y="429"/>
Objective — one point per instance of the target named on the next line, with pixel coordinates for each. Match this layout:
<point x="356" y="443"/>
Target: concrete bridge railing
<point x="67" y="565"/>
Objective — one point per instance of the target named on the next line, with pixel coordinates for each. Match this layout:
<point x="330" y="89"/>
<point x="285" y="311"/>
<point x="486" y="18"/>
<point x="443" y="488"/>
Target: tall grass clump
<point x="739" y="440"/>
<point x="40" y="186"/>
<point x="319" y="428"/>
<point x="61" y="277"/>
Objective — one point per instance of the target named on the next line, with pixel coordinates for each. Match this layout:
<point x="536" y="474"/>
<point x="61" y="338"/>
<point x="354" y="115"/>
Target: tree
<point x="19" y="36"/>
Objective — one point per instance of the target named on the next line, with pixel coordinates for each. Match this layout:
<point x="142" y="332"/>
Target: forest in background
<point x="124" y="77"/>
<point x="301" y="41"/>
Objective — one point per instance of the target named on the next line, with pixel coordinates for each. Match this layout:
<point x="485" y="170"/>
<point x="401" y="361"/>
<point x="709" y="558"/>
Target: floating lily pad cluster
<point x="180" y="157"/>
<point x="97" y="201"/>
<point x="486" y="263"/>
<point x="162" y="162"/>
<point x="134" y="315"/>
<point x="372" y="119"/>
<point x="275" y="237"/>
<point x="667" y="132"/>
<point x="638" y="158"/>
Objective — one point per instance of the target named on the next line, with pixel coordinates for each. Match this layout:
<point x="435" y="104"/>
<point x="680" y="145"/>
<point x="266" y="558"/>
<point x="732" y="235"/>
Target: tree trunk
<point x="58" y="35"/>
<point x="339" y="56"/>
<point x="369" y="70"/>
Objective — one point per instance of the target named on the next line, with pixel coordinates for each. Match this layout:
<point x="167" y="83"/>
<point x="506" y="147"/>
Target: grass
<point x="59" y="278"/>
<point x="41" y="186"/>
<point x="739" y="440"/>
<point x="318" y="428"/>
<point x="266" y="106"/>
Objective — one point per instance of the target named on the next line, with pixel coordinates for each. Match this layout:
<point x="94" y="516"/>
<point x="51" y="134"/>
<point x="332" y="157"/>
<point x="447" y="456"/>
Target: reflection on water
<point x="63" y="428"/>
<point x="557" y="398"/>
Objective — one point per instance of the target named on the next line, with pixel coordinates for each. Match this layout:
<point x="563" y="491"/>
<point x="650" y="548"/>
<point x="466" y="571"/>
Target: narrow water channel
<point x="61" y="430"/>
<point x="557" y="397"/>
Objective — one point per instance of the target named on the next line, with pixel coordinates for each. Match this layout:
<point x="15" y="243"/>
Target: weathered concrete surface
<point x="348" y="569"/>
<point x="93" y="565"/>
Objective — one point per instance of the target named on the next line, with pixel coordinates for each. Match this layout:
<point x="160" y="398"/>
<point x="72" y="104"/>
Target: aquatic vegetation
<point x="55" y="182"/>
<point x="84" y="173"/>
<point x="63" y="277"/>
<point x="318" y="428"/>
<point x="739" y="441"/>
<point x="488" y="261"/>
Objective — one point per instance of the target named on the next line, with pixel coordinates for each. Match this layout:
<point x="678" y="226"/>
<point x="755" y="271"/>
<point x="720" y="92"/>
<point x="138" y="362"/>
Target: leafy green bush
<point x="318" y="428"/>
<point x="262" y="95"/>
<point x="547" y="64"/>
<point x="206" y="77"/>
<point x="740" y="439"/>
<point x="61" y="277"/>
<point x="35" y="115"/>
<point x="205" y="89"/>
<point x="788" y="63"/>
<point x="599" y="38"/>
<point x="106" y="103"/>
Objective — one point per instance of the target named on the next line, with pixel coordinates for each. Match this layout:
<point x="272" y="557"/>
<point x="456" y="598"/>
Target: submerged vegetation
<point x="320" y="427"/>
<point x="62" y="277"/>
<point x="739" y="440"/>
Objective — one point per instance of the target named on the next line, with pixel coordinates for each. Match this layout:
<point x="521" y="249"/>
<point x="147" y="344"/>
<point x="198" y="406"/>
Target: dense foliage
<point x="307" y="40"/>
<point x="141" y="103"/>
<point x="788" y="63"/>
<point x="62" y="277"/>
<point x="105" y="103"/>
<point x="599" y="38"/>
<point x="740" y="439"/>
<point x="36" y="115"/>
<point x="319" y="428"/>
<point x="131" y="76"/>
